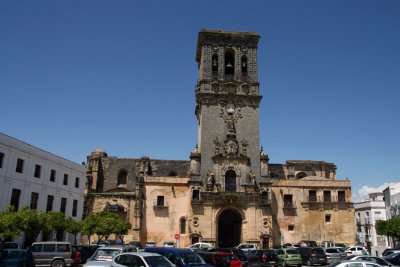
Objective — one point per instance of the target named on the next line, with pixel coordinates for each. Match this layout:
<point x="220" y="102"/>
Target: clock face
<point x="230" y="108"/>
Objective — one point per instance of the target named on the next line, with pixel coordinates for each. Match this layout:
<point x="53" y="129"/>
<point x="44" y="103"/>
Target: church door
<point x="229" y="228"/>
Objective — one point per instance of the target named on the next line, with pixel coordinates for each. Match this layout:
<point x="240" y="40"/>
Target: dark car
<point x="80" y="254"/>
<point x="393" y="258"/>
<point x="263" y="257"/>
<point x="220" y="259"/>
<point x="238" y="252"/>
<point x="313" y="256"/>
<point x="16" y="257"/>
<point x="389" y="251"/>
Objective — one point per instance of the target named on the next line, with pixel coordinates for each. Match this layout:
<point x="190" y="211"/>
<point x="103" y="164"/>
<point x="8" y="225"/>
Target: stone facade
<point x="227" y="192"/>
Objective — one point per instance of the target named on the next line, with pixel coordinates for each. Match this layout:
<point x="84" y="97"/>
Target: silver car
<point x="374" y="259"/>
<point x="104" y="255"/>
<point x="334" y="254"/>
<point x="346" y="263"/>
<point x="143" y="259"/>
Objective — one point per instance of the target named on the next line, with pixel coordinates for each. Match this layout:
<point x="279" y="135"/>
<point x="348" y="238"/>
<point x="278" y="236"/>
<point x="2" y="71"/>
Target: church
<point x="227" y="192"/>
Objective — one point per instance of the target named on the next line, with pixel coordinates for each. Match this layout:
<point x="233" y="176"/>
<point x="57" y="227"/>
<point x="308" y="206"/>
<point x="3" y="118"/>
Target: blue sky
<point x="120" y="75"/>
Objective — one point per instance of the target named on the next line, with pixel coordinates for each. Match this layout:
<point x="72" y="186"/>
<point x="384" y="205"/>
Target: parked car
<point x="143" y="259"/>
<point x="200" y="246"/>
<point x="356" y="250"/>
<point x="103" y="256"/>
<point x="308" y="243"/>
<point x="374" y="259"/>
<point x="346" y="263"/>
<point x="136" y="244"/>
<point x="169" y="244"/>
<point x="313" y="256"/>
<point x="80" y="254"/>
<point x="334" y="254"/>
<point x="247" y="246"/>
<point x="289" y="256"/>
<point x="220" y="259"/>
<point x="238" y="252"/>
<point x="389" y="251"/>
<point x="16" y="257"/>
<point x="52" y="253"/>
<point x="8" y="245"/>
<point x="263" y="257"/>
<point x="393" y="258"/>
<point x="181" y="257"/>
<point x="150" y="244"/>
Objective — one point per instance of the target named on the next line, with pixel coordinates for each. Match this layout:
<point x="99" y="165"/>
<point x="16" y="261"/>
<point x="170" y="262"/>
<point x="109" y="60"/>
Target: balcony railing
<point x="160" y="205"/>
<point x="328" y="199"/>
<point x="326" y="202"/>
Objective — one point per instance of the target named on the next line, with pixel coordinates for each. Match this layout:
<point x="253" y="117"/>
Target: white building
<point x="392" y="200"/>
<point x="367" y="213"/>
<point x="30" y="176"/>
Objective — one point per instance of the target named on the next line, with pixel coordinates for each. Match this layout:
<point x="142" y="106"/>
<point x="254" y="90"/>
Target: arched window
<point x="230" y="181"/>
<point x="301" y="175"/>
<point x="122" y="177"/>
<point x="229" y="63"/>
<point x="182" y="226"/>
<point x="214" y="63"/>
<point x="243" y="65"/>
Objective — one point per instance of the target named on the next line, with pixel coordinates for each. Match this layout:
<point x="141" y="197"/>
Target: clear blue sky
<point x="119" y="75"/>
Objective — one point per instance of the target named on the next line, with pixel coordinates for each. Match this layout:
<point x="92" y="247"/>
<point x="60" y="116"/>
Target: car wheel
<point x="58" y="263"/>
<point x="309" y="263"/>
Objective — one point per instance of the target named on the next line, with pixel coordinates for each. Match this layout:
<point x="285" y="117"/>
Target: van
<point x="181" y="257"/>
<point x="52" y="253"/>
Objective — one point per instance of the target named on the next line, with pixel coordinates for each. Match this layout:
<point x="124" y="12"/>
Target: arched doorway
<point x="229" y="228"/>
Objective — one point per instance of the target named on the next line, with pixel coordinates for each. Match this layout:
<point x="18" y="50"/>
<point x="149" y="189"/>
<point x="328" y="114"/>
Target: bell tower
<point x="227" y="157"/>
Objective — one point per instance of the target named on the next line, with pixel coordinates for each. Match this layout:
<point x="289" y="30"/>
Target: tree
<point x="89" y="225"/>
<point x="58" y="223"/>
<point x="8" y="226"/>
<point x="28" y="221"/>
<point x="73" y="226"/>
<point x="105" y="224"/>
<point x="121" y="229"/>
<point x="389" y="228"/>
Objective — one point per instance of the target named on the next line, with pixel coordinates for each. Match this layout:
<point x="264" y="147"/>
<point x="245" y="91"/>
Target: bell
<point x="229" y="65"/>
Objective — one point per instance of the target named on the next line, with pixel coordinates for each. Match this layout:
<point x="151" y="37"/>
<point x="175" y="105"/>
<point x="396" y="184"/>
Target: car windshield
<point x="191" y="258"/>
<point x="157" y="261"/>
<point x="291" y="251"/>
<point x="105" y="254"/>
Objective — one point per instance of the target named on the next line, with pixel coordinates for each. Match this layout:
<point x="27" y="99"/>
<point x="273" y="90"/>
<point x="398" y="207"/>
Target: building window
<point x="65" y="181"/>
<point x="122" y="177"/>
<point x="291" y="228"/>
<point x="312" y="196"/>
<point x="50" y="200"/>
<point x="63" y="206"/>
<point x="20" y="166"/>
<point x="196" y="194"/>
<point x="341" y="197"/>
<point x="1" y="159"/>
<point x="287" y="201"/>
<point x="244" y="65"/>
<point x="182" y="225"/>
<point x="16" y="193"/>
<point x="230" y="181"/>
<point x="74" y="208"/>
<point x="77" y="182"/>
<point x="52" y="175"/>
<point x="229" y="63"/>
<point x="327" y="218"/>
<point x="34" y="200"/>
<point x="160" y="201"/>
<point x="327" y="196"/>
<point x="38" y="169"/>
<point x="214" y="63"/>
<point x="264" y="197"/>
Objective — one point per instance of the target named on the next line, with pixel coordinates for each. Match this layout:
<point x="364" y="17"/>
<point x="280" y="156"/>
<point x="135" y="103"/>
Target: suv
<point x="312" y="256"/>
<point x="51" y="253"/>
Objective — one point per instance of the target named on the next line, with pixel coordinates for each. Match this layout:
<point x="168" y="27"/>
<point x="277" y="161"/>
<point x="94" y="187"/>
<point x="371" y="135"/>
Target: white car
<point x="356" y="250"/>
<point x="354" y="264"/>
<point x="104" y="255"/>
<point x="200" y="245"/>
<point x="143" y="259"/>
<point x="247" y="246"/>
<point x="169" y="244"/>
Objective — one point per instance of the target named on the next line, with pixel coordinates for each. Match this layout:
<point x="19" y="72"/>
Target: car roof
<point x="140" y="253"/>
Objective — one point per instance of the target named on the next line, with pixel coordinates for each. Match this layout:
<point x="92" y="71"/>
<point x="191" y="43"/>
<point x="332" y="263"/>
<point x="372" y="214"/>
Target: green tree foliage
<point x="28" y="222"/>
<point x="121" y="229"/>
<point x="389" y="228"/>
<point x="105" y="224"/>
<point x="73" y="226"/>
<point x="89" y="225"/>
<point x="8" y="224"/>
<point x="57" y="223"/>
